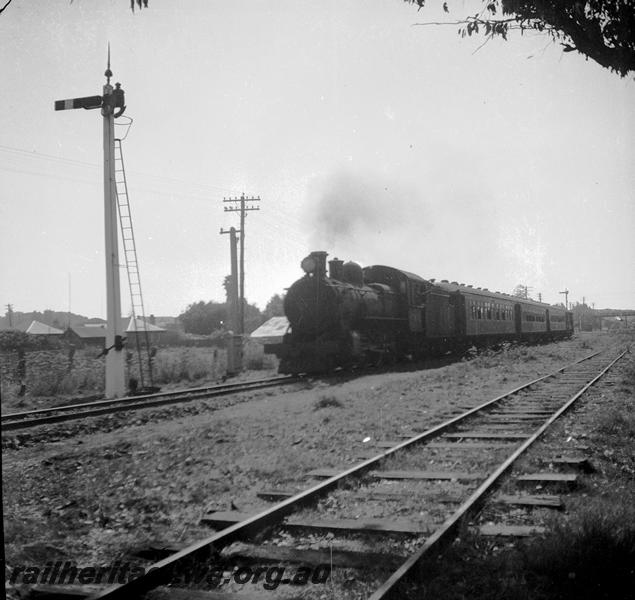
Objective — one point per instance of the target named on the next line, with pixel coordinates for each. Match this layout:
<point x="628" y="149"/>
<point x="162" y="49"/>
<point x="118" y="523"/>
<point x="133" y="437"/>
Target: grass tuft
<point x="619" y="421"/>
<point x="326" y="401"/>
<point x="590" y="556"/>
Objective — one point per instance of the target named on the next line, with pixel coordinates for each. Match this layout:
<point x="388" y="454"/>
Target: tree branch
<point x="7" y="4"/>
<point x="603" y="30"/>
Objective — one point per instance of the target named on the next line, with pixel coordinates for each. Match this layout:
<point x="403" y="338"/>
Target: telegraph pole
<point x="566" y="298"/>
<point x="234" y="349"/>
<point x="232" y="292"/>
<point x="111" y="99"/>
<point x="10" y="315"/>
<point x="243" y="209"/>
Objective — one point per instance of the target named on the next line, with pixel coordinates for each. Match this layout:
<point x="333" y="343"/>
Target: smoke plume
<point x="346" y="208"/>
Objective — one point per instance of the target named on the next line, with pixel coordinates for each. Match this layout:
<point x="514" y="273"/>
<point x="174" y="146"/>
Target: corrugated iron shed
<point x="272" y="330"/>
<point x="89" y="332"/>
<point x="138" y="325"/>
<point x="37" y="328"/>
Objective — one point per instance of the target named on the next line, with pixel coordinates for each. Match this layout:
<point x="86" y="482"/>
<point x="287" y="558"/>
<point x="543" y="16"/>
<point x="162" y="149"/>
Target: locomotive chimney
<point x="320" y="262"/>
<point x="335" y="268"/>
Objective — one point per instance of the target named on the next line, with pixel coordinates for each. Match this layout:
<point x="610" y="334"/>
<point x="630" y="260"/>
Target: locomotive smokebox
<point x="335" y="268"/>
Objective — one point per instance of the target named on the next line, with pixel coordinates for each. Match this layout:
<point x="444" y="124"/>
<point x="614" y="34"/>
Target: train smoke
<point x="347" y="206"/>
<point x="444" y="226"/>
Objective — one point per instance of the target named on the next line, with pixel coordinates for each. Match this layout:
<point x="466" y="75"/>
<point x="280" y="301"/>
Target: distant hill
<point x="60" y="320"/>
<point x="54" y="318"/>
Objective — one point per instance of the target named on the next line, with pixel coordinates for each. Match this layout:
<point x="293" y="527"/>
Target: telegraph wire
<point x="279" y="219"/>
<point x="44" y="156"/>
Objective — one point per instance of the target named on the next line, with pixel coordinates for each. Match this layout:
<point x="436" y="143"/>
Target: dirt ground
<point x="94" y="496"/>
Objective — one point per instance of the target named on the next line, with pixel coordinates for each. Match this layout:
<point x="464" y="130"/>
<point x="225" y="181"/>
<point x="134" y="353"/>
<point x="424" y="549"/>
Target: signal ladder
<point x="132" y="268"/>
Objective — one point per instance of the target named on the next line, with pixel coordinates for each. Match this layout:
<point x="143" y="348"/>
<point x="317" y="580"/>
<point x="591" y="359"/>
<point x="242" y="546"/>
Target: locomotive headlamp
<point x="308" y="265"/>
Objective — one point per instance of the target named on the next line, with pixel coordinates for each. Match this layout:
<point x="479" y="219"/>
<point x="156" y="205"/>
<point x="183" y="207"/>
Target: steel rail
<point x="159" y="573"/>
<point x="447" y="531"/>
<point x="27" y="419"/>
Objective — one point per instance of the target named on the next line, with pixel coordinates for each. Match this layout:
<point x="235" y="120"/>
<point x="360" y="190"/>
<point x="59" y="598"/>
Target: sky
<point x="364" y="134"/>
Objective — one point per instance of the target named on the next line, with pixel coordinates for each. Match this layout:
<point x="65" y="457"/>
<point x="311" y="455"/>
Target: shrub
<point x="173" y="365"/>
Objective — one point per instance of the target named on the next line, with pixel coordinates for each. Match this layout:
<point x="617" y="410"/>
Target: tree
<point x="275" y="307"/>
<point x="253" y="317"/>
<point x="521" y="291"/>
<point x="203" y="317"/>
<point x="602" y="30"/>
<point x="16" y="340"/>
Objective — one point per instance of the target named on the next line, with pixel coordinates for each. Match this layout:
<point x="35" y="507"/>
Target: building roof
<point x="128" y="325"/>
<point x="275" y="327"/>
<point x="138" y="325"/>
<point x="37" y="328"/>
<point x="89" y="332"/>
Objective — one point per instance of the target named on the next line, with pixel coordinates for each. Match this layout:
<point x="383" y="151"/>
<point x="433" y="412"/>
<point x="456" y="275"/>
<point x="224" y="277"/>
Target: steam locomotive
<point x="353" y="316"/>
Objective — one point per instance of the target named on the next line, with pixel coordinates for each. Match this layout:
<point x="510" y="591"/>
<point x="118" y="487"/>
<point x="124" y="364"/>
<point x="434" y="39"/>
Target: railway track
<point x="71" y="412"/>
<point x="373" y="525"/>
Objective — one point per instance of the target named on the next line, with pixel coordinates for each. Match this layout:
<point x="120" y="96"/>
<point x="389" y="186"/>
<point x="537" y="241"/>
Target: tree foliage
<point x="602" y="30"/>
<point x="275" y="307"/>
<point x="253" y="317"/>
<point x="521" y="291"/>
<point x="203" y="317"/>
<point x="18" y="341"/>
<point x="140" y="3"/>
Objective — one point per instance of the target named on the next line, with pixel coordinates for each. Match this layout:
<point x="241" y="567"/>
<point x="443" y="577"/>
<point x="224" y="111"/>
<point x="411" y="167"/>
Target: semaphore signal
<point x="87" y="102"/>
<point x="112" y="104"/>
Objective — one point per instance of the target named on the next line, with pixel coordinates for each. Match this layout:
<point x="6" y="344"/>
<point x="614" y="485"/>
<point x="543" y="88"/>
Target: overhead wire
<point x="44" y="156"/>
<point x="290" y="222"/>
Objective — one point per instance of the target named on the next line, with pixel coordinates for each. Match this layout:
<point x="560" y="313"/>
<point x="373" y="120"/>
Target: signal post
<point x="112" y="99"/>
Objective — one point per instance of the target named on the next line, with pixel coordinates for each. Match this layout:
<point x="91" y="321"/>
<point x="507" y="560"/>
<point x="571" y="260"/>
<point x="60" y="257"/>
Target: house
<point x="42" y="329"/>
<point x="137" y="329"/>
<point x="86" y="335"/>
<point x="94" y="334"/>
